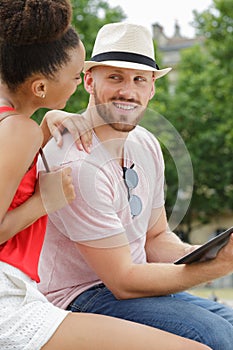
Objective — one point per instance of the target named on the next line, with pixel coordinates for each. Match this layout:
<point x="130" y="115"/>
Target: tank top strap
<point x="4" y="109"/>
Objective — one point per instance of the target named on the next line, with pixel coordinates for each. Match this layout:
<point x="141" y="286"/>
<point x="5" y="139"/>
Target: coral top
<point x="23" y="249"/>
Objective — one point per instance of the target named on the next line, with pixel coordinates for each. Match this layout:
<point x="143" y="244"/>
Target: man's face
<point x="121" y="95"/>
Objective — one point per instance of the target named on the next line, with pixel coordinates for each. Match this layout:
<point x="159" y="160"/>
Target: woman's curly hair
<point x="35" y="37"/>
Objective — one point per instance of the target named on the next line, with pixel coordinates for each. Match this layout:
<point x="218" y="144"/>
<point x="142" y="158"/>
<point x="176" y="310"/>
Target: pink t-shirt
<point x="100" y="210"/>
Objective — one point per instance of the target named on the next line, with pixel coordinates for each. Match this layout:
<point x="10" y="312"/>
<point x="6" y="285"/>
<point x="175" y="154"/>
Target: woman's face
<point x="66" y="80"/>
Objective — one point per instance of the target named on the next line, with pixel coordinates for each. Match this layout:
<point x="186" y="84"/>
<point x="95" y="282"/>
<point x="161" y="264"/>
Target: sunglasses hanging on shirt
<point x="131" y="181"/>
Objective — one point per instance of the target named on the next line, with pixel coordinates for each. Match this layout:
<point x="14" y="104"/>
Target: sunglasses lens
<point x="131" y="181"/>
<point x="131" y="178"/>
<point x="135" y="204"/>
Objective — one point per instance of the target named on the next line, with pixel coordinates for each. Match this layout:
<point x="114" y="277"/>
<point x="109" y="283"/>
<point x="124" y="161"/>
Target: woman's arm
<point x="20" y="140"/>
<point x="55" y="121"/>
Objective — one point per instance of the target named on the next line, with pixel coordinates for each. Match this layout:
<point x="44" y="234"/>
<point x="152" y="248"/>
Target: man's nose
<point x="127" y="90"/>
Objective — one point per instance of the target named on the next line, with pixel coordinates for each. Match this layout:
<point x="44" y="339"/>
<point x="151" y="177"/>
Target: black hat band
<point x="125" y="56"/>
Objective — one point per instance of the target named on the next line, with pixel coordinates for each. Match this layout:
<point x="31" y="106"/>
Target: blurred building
<point x="171" y="47"/>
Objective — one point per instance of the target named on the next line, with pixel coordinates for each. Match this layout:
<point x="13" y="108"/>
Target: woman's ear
<point x="89" y="82"/>
<point x="39" y="88"/>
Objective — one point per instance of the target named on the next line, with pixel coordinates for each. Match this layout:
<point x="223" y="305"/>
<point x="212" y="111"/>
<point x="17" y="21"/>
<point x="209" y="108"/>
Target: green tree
<point x="193" y="117"/>
<point x="216" y="25"/>
<point x="201" y="111"/>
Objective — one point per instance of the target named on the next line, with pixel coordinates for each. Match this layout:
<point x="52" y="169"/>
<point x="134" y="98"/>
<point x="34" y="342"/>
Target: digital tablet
<point x="207" y="251"/>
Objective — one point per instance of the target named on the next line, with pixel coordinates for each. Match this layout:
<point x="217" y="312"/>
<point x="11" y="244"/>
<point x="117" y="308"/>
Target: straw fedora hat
<point x="124" y="45"/>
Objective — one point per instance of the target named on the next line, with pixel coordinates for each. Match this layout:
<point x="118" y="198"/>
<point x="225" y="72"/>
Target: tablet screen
<point x="207" y="251"/>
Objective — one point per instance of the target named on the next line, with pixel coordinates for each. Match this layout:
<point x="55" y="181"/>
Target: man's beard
<point x="122" y="124"/>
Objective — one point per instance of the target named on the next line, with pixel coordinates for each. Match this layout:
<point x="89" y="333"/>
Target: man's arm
<point x="163" y="245"/>
<point x="115" y="268"/>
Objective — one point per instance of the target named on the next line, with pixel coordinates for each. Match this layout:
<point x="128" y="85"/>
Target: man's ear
<point x="39" y="88"/>
<point x="89" y="82"/>
<point x="152" y="93"/>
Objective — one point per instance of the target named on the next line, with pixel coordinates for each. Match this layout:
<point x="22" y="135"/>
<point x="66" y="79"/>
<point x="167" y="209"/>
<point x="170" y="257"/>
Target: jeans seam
<point x="90" y="300"/>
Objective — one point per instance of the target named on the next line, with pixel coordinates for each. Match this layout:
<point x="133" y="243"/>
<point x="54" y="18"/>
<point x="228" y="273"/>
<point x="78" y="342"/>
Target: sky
<point x="163" y="12"/>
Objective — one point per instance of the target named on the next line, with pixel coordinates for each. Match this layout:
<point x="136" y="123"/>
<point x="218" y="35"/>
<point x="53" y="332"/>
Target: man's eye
<point x="114" y="77"/>
<point x="140" y="79"/>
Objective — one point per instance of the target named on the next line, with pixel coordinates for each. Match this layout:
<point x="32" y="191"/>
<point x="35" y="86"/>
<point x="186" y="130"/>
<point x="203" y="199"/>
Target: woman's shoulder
<point x="18" y="126"/>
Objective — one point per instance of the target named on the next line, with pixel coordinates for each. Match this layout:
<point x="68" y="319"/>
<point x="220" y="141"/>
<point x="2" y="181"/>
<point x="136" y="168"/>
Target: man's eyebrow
<point x="136" y="72"/>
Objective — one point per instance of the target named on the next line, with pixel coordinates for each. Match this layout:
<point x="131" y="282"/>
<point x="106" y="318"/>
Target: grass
<point x="207" y="292"/>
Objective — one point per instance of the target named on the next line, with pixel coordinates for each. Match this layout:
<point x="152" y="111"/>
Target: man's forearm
<point x="166" y="247"/>
<point x="156" y="279"/>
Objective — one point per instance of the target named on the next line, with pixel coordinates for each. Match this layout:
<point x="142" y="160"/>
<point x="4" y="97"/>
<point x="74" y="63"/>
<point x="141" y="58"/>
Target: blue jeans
<point x="200" y="319"/>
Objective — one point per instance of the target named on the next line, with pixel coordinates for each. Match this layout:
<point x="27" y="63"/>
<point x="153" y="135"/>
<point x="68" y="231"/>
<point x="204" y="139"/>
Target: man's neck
<point x="112" y="140"/>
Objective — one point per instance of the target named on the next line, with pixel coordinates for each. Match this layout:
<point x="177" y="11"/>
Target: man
<point x="111" y="251"/>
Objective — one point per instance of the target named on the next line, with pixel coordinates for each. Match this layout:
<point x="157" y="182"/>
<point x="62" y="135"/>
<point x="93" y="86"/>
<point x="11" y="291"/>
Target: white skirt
<point x="27" y="319"/>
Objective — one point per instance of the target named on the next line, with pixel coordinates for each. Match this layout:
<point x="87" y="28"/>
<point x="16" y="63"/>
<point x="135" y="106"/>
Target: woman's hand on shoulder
<point x="78" y="126"/>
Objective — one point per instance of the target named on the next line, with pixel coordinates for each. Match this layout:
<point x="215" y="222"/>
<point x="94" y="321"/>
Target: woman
<point x="41" y="60"/>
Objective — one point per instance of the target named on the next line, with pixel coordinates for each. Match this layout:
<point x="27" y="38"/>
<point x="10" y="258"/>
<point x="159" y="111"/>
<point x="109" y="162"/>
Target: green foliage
<point x="201" y="110"/>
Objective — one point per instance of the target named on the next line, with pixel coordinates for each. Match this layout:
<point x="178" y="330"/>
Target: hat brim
<point x="129" y="65"/>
